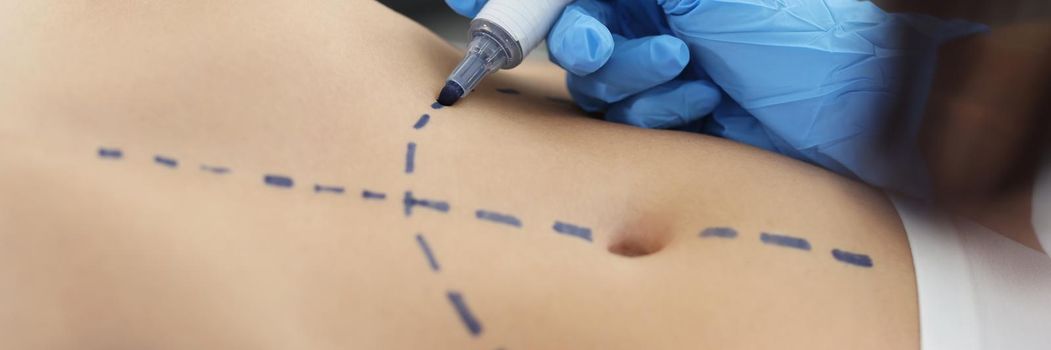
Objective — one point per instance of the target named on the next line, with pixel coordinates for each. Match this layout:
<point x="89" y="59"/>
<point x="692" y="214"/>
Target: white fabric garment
<point x="976" y="288"/>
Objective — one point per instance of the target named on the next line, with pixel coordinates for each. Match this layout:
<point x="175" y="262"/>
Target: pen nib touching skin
<point x="451" y="93"/>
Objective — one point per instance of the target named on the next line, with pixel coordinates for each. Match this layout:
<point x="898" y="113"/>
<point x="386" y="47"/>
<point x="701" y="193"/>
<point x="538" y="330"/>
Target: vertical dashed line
<point x="422" y="121"/>
<point x="426" y="248"/>
<point x="410" y="158"/>
<point x="468" y="318"/>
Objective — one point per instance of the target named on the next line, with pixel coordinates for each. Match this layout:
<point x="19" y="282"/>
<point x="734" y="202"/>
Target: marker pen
<point x="502" y="34"/>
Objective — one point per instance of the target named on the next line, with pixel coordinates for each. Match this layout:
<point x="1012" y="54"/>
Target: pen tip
<point x="450" y="93"/>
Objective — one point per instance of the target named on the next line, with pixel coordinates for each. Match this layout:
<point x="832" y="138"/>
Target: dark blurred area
<point x="991" y="12"/>
<point x="435" y="15"/>
<point x="986" y="127"/>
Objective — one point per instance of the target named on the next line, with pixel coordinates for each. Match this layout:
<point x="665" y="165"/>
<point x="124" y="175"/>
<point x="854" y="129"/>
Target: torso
<point x="97" y="252"/>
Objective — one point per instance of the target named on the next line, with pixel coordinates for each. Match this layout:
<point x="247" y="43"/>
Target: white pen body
<point x="502" y="34"/>
<point x="527" y="21"/>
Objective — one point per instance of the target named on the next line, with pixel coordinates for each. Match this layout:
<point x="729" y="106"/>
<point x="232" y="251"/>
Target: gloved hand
<point x="810" y="79"/>
<point x="623" y="61"/>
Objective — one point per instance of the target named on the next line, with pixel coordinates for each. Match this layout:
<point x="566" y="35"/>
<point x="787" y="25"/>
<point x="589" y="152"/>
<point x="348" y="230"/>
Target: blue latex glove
<point x="810" y="79"/>
<point x="623" y="61"/>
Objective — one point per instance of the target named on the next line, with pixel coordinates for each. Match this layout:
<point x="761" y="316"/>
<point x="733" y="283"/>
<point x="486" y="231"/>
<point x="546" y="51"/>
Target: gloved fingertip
<point x="466" y="8"/>
<point x="623" y="113"/>
<point x="580" y="44"/>
<point x="586" y="102"/>
<point x="703" y="96"/>
<point x="674" y="104"/>
<point x="668" y="54"/>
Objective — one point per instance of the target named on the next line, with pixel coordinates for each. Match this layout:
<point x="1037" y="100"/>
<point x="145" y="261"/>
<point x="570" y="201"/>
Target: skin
<point x="123" y="254"/>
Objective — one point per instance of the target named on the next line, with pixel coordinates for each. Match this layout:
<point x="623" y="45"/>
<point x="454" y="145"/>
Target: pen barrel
<point x="526" y="21"/>
<point x="484" y="56"/>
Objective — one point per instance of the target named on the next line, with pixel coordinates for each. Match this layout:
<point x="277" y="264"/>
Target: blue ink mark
<point x="373" y="195"/>
<point x="721" y="232"/>
<point x="498" y="218"/>
<point x="422" y="122"/>
<point x="852" y="258"/>
<point x="410" y="158"/>
<point x="111" y="153"/>
<point x="436" y="105"/>
<point x="573" y="230"/>
<point x="436" y="205"/>
<point x="465" y="314"/>
<point x="409" y="201"/>
<point x="215" y="169"/>
<point x="277" y="180"/>
<point x="508" y="91"/>
<point x="427" y="251"/>
<point x="785" y="241"/>
<point x="319" y="188"/>
<point x="165" y="161"/>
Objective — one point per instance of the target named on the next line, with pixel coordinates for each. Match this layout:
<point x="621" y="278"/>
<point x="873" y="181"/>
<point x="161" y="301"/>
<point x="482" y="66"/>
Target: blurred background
<point x="434" y="15"/>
